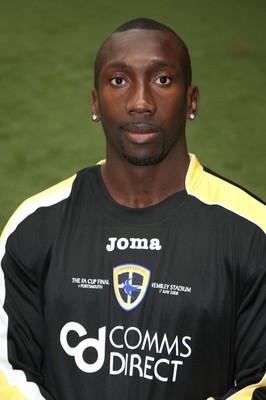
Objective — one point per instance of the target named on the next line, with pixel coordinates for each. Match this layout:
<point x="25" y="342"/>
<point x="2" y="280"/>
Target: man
<point x="143" y="277"/>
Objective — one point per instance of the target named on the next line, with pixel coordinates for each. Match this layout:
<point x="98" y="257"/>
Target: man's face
<point x="141" y="97"/>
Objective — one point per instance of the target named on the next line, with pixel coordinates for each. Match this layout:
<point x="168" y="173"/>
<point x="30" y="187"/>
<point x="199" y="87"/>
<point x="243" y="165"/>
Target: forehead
<point x="139" y="46"/>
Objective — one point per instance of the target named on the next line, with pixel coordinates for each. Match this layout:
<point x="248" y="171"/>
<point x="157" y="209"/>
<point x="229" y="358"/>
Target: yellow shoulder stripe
<point x="47" y="197"/>
<point x="213" y="190"/>
<point x="52" y="190"/>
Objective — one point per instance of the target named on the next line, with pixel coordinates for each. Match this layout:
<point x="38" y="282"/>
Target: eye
<point x="118" y="81"/>
<point x="163" y="80"/>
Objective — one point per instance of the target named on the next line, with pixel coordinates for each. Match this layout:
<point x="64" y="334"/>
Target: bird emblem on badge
<point x="129" y="289"/>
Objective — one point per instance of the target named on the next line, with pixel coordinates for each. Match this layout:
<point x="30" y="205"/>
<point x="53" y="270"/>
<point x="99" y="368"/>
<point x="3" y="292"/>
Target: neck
<point x="140" y="187"/>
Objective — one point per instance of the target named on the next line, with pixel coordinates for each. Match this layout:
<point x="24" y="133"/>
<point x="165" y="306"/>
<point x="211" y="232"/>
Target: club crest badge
<point x="130" y="284"/>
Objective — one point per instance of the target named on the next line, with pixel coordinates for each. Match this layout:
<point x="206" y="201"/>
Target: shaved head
<point x="148" y="24"/>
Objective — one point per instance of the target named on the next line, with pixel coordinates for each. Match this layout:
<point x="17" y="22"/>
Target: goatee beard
<point x="144" y="162"/>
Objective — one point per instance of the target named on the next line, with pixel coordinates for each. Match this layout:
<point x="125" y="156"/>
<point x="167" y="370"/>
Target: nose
<point x="141" y="100"/>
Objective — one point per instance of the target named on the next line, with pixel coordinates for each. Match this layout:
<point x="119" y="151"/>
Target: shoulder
<point x="46" y="198"/>
<point x="49" y="202"/>
<point x="213" y="189"/>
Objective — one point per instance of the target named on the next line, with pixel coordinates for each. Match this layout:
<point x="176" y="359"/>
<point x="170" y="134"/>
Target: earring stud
<point x="94" y="117"/>
<point x="192" y="116"/>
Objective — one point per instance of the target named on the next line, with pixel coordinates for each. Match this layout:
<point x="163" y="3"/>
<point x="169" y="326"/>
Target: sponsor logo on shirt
<point x="128" y="351"/>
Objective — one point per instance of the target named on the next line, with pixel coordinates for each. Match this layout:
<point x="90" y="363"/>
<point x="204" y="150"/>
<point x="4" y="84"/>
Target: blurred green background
<point x="47" y="50"/>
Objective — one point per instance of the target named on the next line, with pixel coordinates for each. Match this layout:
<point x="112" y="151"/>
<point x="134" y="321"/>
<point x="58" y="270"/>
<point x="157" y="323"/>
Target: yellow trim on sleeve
<point x="214" y="190"/>
<point x="8" y="392"/>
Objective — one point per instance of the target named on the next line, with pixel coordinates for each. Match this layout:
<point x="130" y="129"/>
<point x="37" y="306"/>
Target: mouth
<point x="140" y="128"/>
<point x="141" y="133"/>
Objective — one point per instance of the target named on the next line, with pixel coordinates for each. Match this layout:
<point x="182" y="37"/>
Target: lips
<point x="141" y="134"/>
<point x="140" y="128"/>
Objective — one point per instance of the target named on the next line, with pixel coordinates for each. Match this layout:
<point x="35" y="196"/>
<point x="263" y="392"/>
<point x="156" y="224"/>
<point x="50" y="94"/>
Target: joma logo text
<point x="133" y="243"/>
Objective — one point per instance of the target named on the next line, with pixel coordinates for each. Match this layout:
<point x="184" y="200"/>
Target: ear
<point x="192" y="101"/>
<point x="95" y="105"/>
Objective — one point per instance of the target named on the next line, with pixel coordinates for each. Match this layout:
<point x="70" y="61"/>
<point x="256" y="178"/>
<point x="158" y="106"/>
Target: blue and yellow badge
<point x="130" y="284"/>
